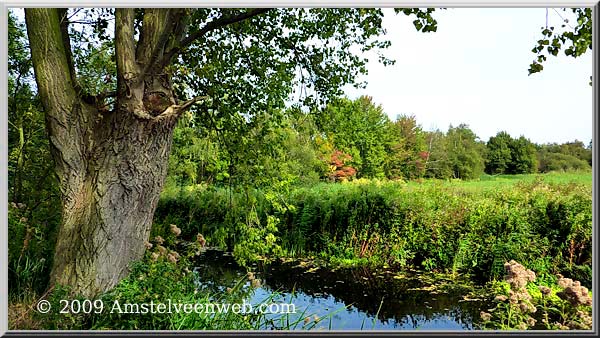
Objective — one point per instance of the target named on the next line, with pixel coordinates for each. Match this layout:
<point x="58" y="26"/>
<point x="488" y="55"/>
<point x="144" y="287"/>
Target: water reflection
<point x="359" y="298"/>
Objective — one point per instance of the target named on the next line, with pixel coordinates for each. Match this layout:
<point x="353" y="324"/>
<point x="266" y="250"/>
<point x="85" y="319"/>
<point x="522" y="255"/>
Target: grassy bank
<point x="542" y="221"/>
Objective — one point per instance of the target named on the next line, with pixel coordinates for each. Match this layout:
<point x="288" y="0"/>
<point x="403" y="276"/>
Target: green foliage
<point x="357" y="128"/>
<point x="34" y="205"/>
<point x="506" y="155"/>
<point x="569" y="156"/>
<point x="252" y="67"/>
<point x="574" y="40"/>
<point x="455" y="154"/>
<point x="465" y="152"/>
<point x="406" y="150"/>
<point x="455" y="227"/>
<point x="523" y="157"/>
<point x="498" y="153"/>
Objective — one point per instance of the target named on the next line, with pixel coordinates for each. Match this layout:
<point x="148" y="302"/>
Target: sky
<point x="473" y="70"/>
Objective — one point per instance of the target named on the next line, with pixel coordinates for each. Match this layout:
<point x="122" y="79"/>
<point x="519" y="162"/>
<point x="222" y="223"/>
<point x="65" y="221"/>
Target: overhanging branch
<point x="215" y="24"/>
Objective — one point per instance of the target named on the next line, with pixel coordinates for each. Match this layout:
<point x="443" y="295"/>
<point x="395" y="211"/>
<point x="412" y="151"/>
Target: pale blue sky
<point x="473" y="70"/>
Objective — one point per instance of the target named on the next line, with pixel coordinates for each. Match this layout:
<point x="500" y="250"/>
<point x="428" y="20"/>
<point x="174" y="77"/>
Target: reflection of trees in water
<point x="215" y="272"/>
<point x="362" y="287"/>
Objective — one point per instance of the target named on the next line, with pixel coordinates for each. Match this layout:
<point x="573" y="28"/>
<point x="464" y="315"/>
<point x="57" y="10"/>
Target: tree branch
<point x="64" y="29"/>
<point x="128" y="72"/>
<point x="49" y="57"/>
<point x="215" y="24"/>
<point x="176" y="110"/>
<point x="124" y="43"/>
<point x="157" y="26"/>
<point x="67" y="119"/>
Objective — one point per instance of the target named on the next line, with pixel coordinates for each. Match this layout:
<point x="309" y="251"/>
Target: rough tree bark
<point x="111" y="165"/>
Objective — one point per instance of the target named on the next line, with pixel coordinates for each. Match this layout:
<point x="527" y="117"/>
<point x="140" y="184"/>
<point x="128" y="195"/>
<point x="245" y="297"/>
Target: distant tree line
<point x="350" y="139"/>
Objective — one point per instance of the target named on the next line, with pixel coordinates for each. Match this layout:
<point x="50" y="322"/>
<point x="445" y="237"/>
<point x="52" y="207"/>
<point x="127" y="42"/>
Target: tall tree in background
<point x="465" y="152"/>
<point x="523" y="157"/>
<point x="498" y="155"/>
<point x="357" y="128"/>
<point x="111" y="148"/>
<point x="407" y="153"/>
<point x="438" y="161"/>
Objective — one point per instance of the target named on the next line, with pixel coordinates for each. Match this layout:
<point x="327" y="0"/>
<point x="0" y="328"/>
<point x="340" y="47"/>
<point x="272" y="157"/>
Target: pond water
<point x="345" y="299"/>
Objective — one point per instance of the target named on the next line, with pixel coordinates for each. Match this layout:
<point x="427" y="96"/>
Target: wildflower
<point x="306" y="320"/>
<point x="586" y="319"/>
<point x="522" y="326"/>
<point x="513" y="297"/>
<point x="20" y="205"/>
<point x="175" y="230"/>
<point x="13" y="204"/>
<point x="576" y="295"/>
<point x="250" y="275"/>
<point x="148" y="245"/>
<point x="161" y="249"/>
<point x="255" y="283"/>
<point x="23" y="219"/>
<point x="316" y="318"/>
<point x="531" y="321"/>
<point x="229" y="290"/>
<point x="517" y="276"/>
<point x="576" y="325"/>
<point x="172" y="258"/>
<point x="485" y="316"/>
<point x="175" y="254"/>
<point x="565" y="282"/>
<point x="155" y="256"/>
<point x="159" y="240"/>
<point x="524" y="307"/>
<point x="563" y="327"/>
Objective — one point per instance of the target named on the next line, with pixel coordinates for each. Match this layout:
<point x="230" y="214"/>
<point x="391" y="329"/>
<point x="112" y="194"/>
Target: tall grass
<point x="543" y="221"/>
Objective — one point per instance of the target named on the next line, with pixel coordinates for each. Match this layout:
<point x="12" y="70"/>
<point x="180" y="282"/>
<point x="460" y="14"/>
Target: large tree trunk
<point x="111" y="164"/>
<point x="109" y="204"/>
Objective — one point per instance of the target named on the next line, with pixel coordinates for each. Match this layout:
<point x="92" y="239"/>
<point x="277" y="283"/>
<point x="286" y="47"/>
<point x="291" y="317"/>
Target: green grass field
<point x="490" y="182"/>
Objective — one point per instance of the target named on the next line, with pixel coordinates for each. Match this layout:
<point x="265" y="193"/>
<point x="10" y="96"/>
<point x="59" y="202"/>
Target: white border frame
<point x="5" y="4"/>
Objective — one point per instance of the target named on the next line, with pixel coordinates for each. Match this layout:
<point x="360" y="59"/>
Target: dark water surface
<point x="347" y="299"/>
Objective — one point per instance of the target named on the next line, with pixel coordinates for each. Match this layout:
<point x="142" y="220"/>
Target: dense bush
<point x="561" y="162"/>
